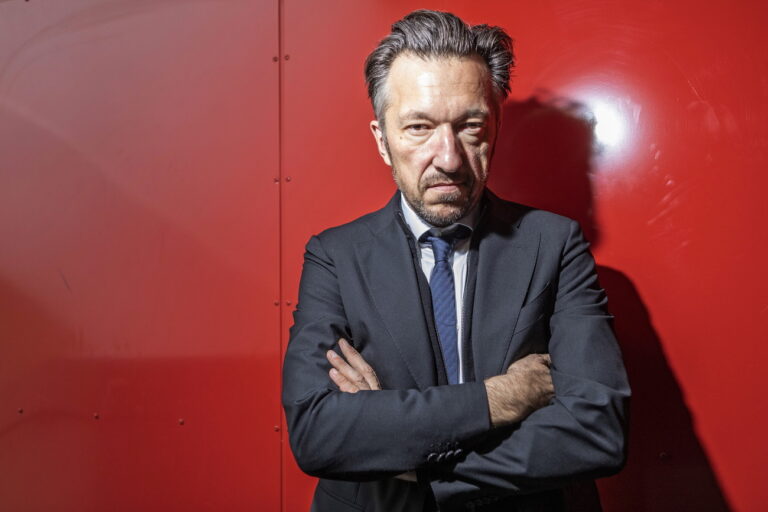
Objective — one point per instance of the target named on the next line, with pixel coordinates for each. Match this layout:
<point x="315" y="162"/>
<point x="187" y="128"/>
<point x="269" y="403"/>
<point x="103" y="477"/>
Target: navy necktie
<point x="444" y="300"/>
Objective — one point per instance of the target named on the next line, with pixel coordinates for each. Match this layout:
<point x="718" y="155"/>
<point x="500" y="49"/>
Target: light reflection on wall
<point x="616" y="120"/>
<point x="610" y="127"/>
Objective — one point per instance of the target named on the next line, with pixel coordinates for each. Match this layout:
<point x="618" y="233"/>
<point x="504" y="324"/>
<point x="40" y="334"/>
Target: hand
<point x="351" y="373"/>
<point x="526" y="387"/>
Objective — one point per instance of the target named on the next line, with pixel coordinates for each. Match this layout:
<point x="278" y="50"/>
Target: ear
<point x="378" y="134"/>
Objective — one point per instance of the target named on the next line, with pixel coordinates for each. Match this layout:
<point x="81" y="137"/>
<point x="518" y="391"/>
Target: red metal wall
<point x="647" y="122"/>
<point x="139" y="223"/>
<point x="160" y="174"/>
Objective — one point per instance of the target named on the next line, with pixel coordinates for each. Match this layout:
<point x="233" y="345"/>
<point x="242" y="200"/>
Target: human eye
<point x="473" y="127"/>
<point x="417" y="128"/>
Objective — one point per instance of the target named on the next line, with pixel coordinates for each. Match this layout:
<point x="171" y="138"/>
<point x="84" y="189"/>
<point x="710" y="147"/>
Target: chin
<point x="443" y="215"/>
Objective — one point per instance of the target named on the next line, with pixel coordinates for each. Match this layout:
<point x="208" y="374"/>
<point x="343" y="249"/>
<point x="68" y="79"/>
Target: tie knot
<point x="442" y="243"/>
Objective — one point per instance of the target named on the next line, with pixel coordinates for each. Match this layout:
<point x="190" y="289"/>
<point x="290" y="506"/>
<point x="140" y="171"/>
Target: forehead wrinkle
<point x="413" y="114"/>
<point x="434" y="82"/>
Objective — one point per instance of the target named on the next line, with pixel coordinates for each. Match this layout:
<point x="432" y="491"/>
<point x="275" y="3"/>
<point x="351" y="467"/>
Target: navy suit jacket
<point x="535" y="291"/>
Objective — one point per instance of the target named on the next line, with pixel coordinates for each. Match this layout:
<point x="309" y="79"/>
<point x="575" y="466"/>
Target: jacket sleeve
<point x="369" y="434"/>
<point x="581" y="434"/>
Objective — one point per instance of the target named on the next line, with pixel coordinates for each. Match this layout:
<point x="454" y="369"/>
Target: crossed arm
<point x="338" y="425"/>
<point x="525" y="387"/>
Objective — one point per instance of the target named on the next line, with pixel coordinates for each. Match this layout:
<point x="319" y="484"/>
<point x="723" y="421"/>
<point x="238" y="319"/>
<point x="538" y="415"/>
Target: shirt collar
<point x="419" y="226"/>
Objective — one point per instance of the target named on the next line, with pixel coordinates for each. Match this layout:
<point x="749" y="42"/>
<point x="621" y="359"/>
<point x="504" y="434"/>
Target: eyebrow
<point x="411" y="115"/>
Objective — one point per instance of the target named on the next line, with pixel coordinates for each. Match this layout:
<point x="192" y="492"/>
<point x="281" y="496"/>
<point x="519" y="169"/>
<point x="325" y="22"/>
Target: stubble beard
<point x="437" y="216"/>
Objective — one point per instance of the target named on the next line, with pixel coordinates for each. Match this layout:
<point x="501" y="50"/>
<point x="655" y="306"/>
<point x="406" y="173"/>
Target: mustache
<point x="433" y="181"/>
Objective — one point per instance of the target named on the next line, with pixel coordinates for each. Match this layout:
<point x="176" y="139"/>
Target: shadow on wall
<point x="543" y="158"/>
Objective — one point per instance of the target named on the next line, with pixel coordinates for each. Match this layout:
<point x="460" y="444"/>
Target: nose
<point x="448" y="155"/>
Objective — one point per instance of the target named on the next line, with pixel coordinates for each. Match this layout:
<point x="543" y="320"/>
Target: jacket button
<point x="459" y="452"/>
<point x="440" y="457"/>
<point x="432" y="457"/>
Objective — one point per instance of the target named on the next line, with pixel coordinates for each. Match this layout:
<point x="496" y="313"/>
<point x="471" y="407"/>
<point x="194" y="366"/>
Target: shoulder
<point x="361" y="229"/>
<point x="557" y="237"/>
<point x="528" y="219"/>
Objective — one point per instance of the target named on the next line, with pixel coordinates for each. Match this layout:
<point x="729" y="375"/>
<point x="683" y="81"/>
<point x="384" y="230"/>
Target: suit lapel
<point x="387" y="267"/>
<point x="506" y="260"/>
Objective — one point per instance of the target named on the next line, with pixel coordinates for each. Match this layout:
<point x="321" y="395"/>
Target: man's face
<point x="439" y="133"/>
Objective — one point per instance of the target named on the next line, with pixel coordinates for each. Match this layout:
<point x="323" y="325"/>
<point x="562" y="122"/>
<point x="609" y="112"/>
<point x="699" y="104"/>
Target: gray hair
<point x="429" y="34"/>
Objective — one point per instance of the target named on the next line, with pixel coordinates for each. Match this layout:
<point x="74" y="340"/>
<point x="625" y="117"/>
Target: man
<point x="477" y="367"/>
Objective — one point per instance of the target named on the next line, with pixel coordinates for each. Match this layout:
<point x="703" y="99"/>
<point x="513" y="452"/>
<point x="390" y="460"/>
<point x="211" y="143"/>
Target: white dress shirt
<point x="458" y="259"/>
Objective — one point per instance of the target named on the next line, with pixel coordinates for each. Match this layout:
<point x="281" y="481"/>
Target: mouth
<point x="445" y="187"/>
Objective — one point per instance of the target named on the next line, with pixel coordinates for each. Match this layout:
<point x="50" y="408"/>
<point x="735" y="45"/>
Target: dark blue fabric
<point x="444" y="300"/>
<point x="444" y="305"/>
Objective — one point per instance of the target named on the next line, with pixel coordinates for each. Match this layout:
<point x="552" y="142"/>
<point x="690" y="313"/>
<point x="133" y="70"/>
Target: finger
<point x="530" y="361"/>
<point x="346" y="370"/>
<point x="521" y="363"/>
<point x="339" y="363"/>
<point x="357" y="361"/>
<point x="344" y="385"/>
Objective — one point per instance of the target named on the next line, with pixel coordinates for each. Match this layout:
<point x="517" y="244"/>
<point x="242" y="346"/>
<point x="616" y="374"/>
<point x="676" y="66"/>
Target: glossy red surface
<point x="160" y="174"/>
<point x="139" y="227"/>
<point x="645" y="121"/>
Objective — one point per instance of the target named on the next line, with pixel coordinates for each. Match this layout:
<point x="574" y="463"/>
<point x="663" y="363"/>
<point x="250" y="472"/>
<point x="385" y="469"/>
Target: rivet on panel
<point x="277" y="303"/>
<point x="96" y="416"/>
<point x="287" y="57"/>
<point x="21" y="411"/>
<point x="275" y="59"/>
<point x="181" y="421"/>
<point x="276" y="180"/>
<point x="287" y="178"/>
<point x="287" y="303"/>
<point x="277" y="429"/>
